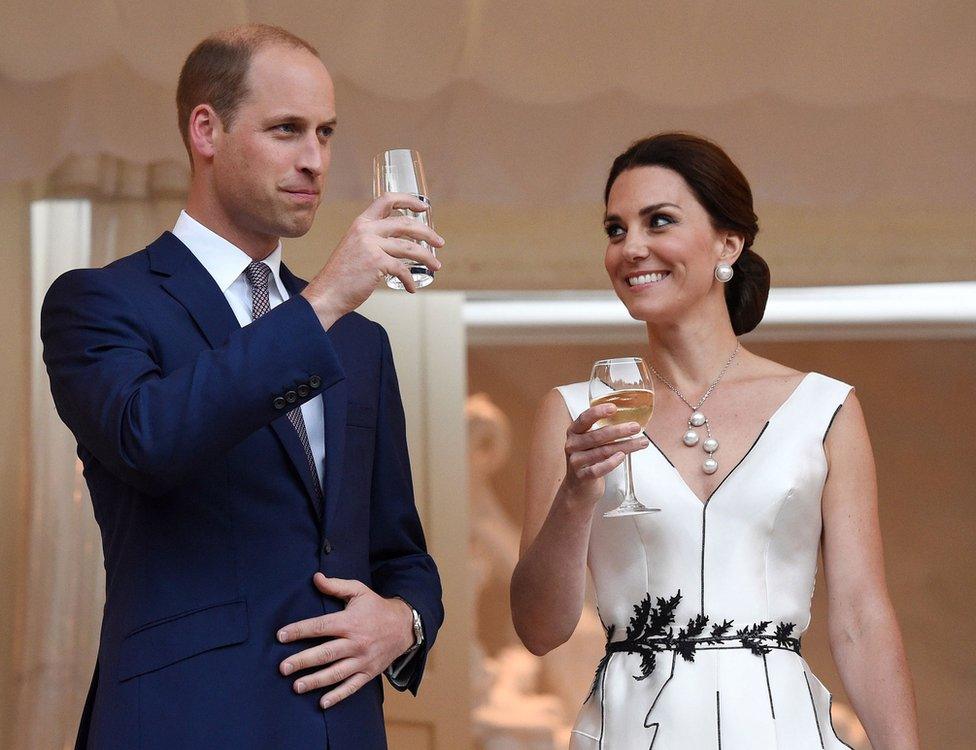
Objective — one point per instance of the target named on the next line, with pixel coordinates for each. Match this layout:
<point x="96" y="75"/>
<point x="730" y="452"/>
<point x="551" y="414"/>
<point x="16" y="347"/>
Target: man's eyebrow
<point x="287" y="117"/>
<point x="643" y="212"/>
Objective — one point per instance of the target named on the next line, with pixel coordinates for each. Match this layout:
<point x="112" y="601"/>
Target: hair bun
<point x="746" y="293"/>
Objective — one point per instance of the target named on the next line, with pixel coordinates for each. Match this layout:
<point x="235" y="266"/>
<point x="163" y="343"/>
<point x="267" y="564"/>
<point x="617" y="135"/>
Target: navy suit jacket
<point x="206" y="504"/>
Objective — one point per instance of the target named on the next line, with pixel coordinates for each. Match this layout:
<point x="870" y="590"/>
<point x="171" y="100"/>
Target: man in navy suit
<point x="243" y="438"/>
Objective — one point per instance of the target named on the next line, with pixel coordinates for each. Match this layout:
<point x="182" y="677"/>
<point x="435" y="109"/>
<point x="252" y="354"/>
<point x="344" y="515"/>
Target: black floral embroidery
<point x="752" y="638"/>
<point x="651" y="631"/>
<point x="783" y="639"/>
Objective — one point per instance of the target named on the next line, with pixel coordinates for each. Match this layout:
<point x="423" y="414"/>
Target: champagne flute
<point x="626" y="383"/>
<point x="399" y="170"/>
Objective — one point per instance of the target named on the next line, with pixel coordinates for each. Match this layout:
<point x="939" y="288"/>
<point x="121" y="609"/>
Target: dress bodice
<point x="745" y="559"/>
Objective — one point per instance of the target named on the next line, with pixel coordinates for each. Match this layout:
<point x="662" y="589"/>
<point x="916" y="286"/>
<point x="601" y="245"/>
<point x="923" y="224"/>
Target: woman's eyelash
<point x="614" y="230"/>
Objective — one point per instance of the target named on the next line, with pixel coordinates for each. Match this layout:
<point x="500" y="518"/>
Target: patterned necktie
<point x="257" y="277"/>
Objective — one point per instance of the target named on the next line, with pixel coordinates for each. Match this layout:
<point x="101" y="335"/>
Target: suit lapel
<point x="334" y="411"/>
<point x="189" y="284"/>
<point x="288" y="438"/>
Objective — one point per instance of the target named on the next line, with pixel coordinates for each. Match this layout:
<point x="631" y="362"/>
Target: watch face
<point x="418" y="629"/>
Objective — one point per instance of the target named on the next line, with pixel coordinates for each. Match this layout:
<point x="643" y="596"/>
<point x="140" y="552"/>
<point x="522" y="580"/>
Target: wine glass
<point x="626" y="383"/>
<point x="399" y="170"/>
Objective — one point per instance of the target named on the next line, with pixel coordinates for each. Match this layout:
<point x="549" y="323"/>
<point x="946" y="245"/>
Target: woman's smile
<point x="642" y="280"/>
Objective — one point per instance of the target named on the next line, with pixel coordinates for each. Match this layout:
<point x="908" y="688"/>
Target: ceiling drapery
<point x="826" y="103"/>
<point x="688" y="54"/>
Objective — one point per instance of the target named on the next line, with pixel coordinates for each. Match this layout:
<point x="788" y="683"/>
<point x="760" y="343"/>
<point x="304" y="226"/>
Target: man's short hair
<point x="215" y="72"/>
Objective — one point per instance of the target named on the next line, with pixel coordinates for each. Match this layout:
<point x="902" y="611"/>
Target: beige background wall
<point x="917" y="397"/>
<point x="561" y="246"/>
<point x="14" y="448"/>
<point x="544" y="243"/>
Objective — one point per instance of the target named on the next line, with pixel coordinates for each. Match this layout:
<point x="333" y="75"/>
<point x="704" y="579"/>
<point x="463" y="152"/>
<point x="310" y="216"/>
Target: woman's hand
<point x="566" y="465"/>
<point x="592" y="454"/>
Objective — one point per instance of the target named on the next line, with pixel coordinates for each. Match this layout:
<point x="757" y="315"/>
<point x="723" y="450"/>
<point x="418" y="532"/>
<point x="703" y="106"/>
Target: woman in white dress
<point x="705" y="602"/>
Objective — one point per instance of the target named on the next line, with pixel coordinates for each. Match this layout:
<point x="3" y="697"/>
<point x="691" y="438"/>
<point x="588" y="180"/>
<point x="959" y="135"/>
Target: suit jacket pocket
<point x="164" y="642"/>
<point x="360" y="415"/>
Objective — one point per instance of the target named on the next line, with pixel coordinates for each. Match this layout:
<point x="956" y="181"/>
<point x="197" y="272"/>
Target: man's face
<point x="269" y="167"/>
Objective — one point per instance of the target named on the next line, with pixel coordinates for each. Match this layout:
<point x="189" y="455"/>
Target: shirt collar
<point x="224" y="261"/>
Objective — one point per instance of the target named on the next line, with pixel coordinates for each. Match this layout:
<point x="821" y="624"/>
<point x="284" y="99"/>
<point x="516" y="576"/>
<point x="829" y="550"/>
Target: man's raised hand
<point x="374" y="246"/>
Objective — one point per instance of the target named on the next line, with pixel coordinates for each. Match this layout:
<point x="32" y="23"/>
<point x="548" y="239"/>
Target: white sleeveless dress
<point x="705" y="603"/>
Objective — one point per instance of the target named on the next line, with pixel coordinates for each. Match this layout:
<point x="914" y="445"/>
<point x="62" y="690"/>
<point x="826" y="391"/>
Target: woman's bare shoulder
<point x="758" y="369"/>
<point x="553" y="406"/>
<point x="552" y="417"/>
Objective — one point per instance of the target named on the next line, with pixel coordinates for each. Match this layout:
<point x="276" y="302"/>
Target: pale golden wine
<point x="633" y="405"/>
<point x="631" y="390"/>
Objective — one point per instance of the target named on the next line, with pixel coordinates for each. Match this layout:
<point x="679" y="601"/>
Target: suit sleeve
<point x="399" y="561"/>
<point x="151" y="429"/>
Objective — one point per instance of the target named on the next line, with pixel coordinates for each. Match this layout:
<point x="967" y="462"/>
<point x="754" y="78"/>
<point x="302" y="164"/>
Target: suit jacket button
<point x="315" y="381"/>
<point x="291" y="397"/>
<point x="302" y="390"/>
<point x="278" y="403"/>
<point x="327" y="546"/>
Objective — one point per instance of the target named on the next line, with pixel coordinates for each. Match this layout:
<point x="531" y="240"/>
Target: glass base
<point x="635" y="508"/>
<point x="421" y="278"/>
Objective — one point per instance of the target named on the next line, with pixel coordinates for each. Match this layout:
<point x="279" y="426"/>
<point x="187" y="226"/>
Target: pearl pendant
<point x="697" y="419"/>
<point x="710" y="445"/>
<point x="710" y="465"/>
<point x="691" y="438"/>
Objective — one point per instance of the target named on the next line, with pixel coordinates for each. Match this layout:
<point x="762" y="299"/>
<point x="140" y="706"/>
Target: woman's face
<point x="662" y="248"/>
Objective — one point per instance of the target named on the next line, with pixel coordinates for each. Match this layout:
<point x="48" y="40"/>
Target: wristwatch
<point x="418" y="629"/>
<point x="418" y="632"/>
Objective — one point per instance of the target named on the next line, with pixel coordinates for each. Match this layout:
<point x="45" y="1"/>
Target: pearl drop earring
<point x="723" y="272"/>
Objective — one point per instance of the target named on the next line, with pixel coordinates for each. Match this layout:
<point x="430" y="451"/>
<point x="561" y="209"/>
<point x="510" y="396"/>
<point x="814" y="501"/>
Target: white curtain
<point x="526" y="103"/>
<point x="59" y="588"/>
<point x="59" y="605"/>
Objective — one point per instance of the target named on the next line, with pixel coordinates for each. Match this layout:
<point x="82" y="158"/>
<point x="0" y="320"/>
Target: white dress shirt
<point x="226" y="262"/>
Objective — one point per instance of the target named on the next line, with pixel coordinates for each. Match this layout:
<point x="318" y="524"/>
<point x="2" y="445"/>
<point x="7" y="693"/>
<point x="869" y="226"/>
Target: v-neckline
<point x="684" y="483"/>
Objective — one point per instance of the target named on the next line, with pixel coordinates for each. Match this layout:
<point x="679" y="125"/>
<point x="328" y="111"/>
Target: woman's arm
<point x="563" y="482"/>
<point x="864" y="636"/>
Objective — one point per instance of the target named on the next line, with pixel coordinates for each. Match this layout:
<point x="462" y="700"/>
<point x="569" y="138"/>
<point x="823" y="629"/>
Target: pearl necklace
<point x="697" y="419"/>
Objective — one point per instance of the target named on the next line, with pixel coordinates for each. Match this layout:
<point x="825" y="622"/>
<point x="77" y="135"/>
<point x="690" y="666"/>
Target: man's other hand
<point x="366" y="637"/>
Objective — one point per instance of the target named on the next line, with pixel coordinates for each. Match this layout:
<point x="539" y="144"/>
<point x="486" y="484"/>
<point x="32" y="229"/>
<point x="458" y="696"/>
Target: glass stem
<point x="629" y="496"/>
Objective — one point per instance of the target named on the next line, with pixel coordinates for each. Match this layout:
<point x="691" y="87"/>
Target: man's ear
<point x="204" y="131"/>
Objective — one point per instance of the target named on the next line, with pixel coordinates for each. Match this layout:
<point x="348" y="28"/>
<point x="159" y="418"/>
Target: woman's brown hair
<point x="724" y="192"/>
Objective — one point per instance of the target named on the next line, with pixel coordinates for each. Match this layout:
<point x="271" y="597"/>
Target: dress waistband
<point x="751" y="638"/>
<point x="651" y="631"/>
